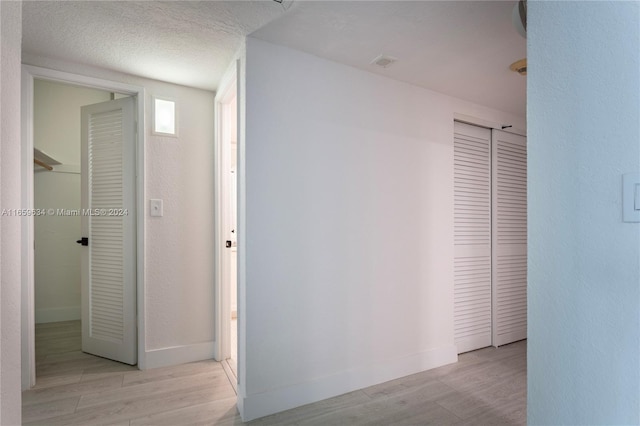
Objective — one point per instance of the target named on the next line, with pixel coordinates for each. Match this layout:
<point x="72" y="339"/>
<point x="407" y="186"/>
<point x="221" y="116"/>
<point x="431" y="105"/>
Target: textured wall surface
<point x="584" y="266"/>
<point x="349" y="228"/>
<point x="10" y="42"/>
<point x="179" y="246"/>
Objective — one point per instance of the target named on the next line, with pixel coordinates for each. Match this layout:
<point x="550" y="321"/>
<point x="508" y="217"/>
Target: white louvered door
<point x="472" y="237"/>
<point x="108" y="220"/>
<point x="509" y="248"/>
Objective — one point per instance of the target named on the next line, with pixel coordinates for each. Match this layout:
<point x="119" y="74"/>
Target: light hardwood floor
<point x="486" y="387"/>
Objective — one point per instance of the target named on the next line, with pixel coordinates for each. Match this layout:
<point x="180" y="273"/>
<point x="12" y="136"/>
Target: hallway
<point x="487" y="387"/>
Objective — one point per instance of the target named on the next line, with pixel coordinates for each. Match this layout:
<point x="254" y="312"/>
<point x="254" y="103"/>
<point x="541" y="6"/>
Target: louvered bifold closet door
<point x="509" y="255"/>
<point x="472" y="237"/>
<point x="108" y="201"/>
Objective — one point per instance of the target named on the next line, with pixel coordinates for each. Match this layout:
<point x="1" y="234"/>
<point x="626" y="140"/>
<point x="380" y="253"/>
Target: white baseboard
<point x="178" y="355"/>
<point x="263" y="404"/>
<point x="68" y="313"/>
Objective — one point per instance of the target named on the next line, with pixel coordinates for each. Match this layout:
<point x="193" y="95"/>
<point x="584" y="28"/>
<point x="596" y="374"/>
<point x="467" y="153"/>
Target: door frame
<point x="29" y="74"/>
<point x="228" y="89"/>
<point x="479" y="122"/>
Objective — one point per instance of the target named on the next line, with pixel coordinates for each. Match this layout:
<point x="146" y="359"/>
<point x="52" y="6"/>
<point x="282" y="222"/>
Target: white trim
<point x="176" y="355"/>
<point x="27" y="256"/>
<point x="228" y="89"/>
<point x="231" y="375"/>
<point x="29" y="73"/>
<point x="274" y="401"/>
<point x="463" y="118"/>
<point x="241" y="81"/>
<point x="67" y="313"/>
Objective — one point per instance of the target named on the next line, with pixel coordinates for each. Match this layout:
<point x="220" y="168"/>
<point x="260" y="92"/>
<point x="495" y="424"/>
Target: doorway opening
<point x="57" y="185"/>
<point x="226" y="226"/>
<point x="232" y="243"/>
<point x="81" y="155"/>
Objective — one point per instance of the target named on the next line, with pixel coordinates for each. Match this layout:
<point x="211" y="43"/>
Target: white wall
<point x="179" y="246"/>
<point x="57" y="256"/>
<point x="10" y="246"/>
<point x="349" y="228"/>
<point x="57" y="118"/>
<point x="584" y="262"/>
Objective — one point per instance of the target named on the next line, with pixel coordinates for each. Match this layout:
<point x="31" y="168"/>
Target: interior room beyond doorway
<point x="57" y="184"/>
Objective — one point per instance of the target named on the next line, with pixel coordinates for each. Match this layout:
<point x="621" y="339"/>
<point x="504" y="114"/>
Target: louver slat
<point x="107" y="237"/>
<point x="472" y="237"/>
<point x="510" y="238"/>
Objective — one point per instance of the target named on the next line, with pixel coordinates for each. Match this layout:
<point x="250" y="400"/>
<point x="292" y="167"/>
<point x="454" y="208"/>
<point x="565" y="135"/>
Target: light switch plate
<point x="155" y="207"/>
<point x="630" y="197"/>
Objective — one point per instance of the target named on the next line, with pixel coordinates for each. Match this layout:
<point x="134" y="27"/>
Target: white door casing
<point x="509" y="246"/>
<point x="108" y="271"/>
<point x="224" y="121"/>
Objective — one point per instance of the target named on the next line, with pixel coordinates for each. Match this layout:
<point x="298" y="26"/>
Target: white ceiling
<point x="183" y="42"/>
<point x="461" y="48"/>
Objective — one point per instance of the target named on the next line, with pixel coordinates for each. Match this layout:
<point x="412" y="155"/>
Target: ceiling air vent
<point x="384" y="61"/>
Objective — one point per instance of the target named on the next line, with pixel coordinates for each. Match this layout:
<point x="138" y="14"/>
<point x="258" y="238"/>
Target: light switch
<point x="631" y="197"/>
<point x="155" y="206"/>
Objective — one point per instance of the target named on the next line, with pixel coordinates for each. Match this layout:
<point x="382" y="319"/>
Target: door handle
<point x="84" y="241"/>
<point x="228" y="244"/>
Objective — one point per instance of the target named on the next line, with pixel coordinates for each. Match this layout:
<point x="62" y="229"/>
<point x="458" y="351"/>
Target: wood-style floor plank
<point x="308" y="414"/>
<point x="147" y="390"/>
<point x="220" y="412"/>
<point x="47" y="410"/>
<point x="99" y="386"/>
<point x="141" y="406"/>
<point x="485" y="387"/>
<point x="139" y="377"/>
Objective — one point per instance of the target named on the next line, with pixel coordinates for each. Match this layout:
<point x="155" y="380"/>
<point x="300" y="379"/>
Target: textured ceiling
<point x="461" y="48"/>
<point x="183" y="42"/>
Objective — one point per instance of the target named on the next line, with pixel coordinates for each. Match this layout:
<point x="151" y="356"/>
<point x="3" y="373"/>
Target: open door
<point x="108" y="231"/>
